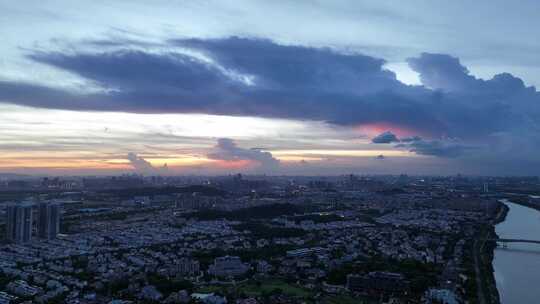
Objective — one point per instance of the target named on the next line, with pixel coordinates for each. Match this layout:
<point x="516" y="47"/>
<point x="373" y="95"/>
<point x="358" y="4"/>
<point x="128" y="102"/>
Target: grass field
<point x="211" y="289"/>
<point x="268" y="286"/>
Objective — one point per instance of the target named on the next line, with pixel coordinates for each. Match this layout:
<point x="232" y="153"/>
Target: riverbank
<point x="523" y="201"/>
<point x="502" y="212"/>
<point x="484" y="252"/>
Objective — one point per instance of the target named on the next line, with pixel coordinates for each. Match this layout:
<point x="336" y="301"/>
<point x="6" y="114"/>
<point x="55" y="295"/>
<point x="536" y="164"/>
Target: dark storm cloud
<point x="444" y="72"/>
<point x="439" y="147"/>
<point x="385" y="138"/>
<point x="130" y="70"/>
<point x="297" y="68"/>
<point x="444" y="147"/>
<point x="226" y="149"/>
<point x="247" y="77"/>
<point x="475" y="108"/>
<point x="410" y="139"/>
<point x="439" y="71"/>
<point x="257" y="77"/>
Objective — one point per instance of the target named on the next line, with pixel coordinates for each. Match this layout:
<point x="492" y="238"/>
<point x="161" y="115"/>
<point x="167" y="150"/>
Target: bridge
<point x="506" y="241"/>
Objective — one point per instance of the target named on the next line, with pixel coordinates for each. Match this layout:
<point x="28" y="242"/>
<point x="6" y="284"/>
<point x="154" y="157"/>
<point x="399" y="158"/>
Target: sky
<point x="269" y="87"/>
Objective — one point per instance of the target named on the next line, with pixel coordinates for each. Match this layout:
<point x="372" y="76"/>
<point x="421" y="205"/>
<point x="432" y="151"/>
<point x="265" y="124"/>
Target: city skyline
<point x="216" y="87"/>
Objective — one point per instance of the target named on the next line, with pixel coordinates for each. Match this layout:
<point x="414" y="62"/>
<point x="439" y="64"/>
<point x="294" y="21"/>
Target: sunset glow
<point x="202" y="90"/>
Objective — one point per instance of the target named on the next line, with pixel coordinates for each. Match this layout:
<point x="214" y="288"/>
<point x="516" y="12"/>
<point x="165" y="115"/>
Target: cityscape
<point x="255" y="239"/>
<point x="269" y="152"/>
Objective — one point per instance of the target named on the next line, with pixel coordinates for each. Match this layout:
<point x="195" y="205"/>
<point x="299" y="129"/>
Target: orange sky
<point x="68" y="141"/>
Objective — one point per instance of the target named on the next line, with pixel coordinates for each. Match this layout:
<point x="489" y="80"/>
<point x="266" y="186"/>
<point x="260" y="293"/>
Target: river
<point x="517" y="268"/>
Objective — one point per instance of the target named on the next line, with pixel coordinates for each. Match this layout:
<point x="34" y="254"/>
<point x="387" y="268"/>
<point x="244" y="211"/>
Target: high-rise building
<point x="48" y="220"/>
<point x="19" y="222"/>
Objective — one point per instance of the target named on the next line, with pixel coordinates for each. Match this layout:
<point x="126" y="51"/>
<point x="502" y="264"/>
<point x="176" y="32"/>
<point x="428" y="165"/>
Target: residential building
<point x="48" y="220"/>
<point x="19" y="222"/>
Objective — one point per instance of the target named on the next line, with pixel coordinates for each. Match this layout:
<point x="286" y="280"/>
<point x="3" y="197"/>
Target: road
<point x="478" y="276"/>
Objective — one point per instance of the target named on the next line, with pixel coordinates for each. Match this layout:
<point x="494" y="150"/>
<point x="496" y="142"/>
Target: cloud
<point x="445" y="72"/>
<point x="296" y="68"/>
<point x="259" y="77"/>
<point x="232" y="76"/>
<point x="473" y="108"/>
<point x="227" y="150"/>
<point x="440" y="71"/>
<point x="143" y="166"/>
<point x="448" y="148"/>
<point x="410" y="139"/>
<point x="385" y="138"/>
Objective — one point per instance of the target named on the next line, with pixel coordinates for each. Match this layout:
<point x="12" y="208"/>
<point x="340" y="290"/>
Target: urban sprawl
<point x="253" y="239"/>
